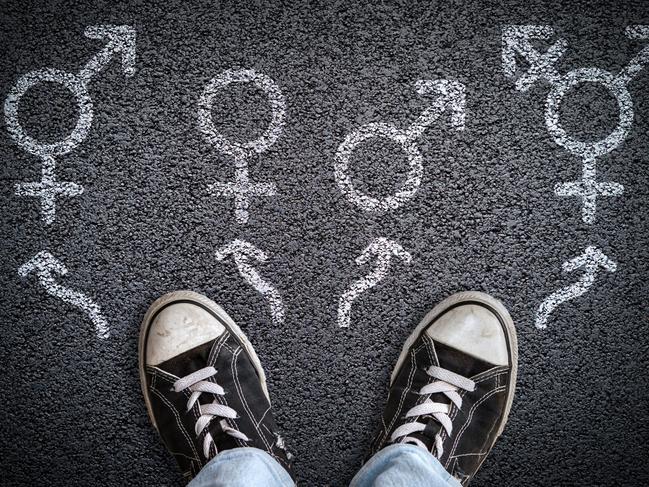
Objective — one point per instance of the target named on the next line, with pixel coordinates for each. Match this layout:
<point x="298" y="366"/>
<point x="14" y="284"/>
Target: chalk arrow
<point x="450" y="97"/>
<point x="242" y="253"/>
<point x="46" y="266"/>
<point x="382" y="250"/>
<point x="591" y="261"/>
<point x="120" y="40"/>
<point x="640" y="60"/>
<point x="517" y="42"/>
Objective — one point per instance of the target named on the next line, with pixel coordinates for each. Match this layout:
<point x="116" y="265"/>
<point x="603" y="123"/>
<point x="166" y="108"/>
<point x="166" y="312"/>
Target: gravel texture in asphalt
<point x="485" y="217"/>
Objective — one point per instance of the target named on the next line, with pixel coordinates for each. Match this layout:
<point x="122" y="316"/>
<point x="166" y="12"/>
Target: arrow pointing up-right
<point x="591" y="259"/>
<point x="384" y="248"/>
<point x="120" y="40"/>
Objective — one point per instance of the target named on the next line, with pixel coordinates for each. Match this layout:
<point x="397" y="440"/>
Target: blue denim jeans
<point x="400" y="465"/>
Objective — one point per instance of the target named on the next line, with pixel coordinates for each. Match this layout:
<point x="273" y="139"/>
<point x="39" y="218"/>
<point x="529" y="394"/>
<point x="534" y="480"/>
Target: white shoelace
<point x="196" y="383"/>
<point x="448" y="383"/>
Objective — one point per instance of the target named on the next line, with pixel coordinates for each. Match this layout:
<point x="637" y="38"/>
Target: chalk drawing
<point x="517" y="42"/>
<point x="381" y="250"/>
<point x="46" y="266"/>
<point x="449" y="95"/>
<point x="120" y="40"/>
<point x="591" y="260"/>
<point x="243" y="252"/>
<point x="242" y="189"/>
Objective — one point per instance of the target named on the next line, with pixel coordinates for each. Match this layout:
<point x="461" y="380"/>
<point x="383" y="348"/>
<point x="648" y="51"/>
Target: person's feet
<point x="453" y="385"/>
<point x="203" y="385"/>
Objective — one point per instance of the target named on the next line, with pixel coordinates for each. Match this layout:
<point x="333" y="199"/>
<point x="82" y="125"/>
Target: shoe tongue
<point x="222" y="440"/>
<point x="189" y="361"/>
<point x="459" y="362"/>
<point x="427" y="435"/>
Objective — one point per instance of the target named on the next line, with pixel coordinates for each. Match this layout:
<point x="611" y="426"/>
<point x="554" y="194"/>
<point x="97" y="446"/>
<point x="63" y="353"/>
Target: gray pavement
<point x="485" y="216"/>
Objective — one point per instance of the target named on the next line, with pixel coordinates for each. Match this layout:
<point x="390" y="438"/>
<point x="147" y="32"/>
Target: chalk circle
<point x="275" y="99"/>
<point x="589" y="75"/>
<point x="409" y="187"/>
<point x="69" y="81"/>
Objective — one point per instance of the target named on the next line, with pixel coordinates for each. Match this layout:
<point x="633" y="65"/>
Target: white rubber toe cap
<point x="177" y="328"/>
<point x="474" y="330"/>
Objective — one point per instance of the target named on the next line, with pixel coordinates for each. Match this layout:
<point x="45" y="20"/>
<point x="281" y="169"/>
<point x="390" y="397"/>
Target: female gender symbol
<point x="588" y="188"/>
<point x="242" y="188"/>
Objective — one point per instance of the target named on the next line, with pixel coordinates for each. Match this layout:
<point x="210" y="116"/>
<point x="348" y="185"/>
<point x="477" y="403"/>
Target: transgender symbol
<point x="242" y="189"/>
<point x="121" y="40"/>
<point x="516" y="42"/>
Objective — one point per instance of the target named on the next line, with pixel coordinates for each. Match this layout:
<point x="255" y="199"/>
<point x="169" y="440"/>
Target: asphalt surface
<point x="485" y="217"/>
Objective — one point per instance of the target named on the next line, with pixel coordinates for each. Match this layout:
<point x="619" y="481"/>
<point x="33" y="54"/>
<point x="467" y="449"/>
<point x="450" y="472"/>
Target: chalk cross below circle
<point x="120" y="39"/>
<point x="242" y="189"/>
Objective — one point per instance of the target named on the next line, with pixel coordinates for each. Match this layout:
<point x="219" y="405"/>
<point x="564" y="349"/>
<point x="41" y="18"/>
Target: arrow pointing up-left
<point x="45" y="266"/>
<point x="243" y="252"/>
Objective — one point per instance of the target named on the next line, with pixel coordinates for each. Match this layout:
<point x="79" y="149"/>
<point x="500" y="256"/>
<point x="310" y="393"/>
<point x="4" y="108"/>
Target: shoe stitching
<point x="229" y="422"/>
<point x="263" y="415"/>
<point x="171" y="379"/>
<point x="481" y="377"/>
<point x="216" y="348"/>
<point x="461" y="476"/>
<point x="479" y="454"/>
<point x="178" y="420"/>
<point x="222" y="399"/>
<point x="406" y="389"/>
<point x="483" y="452"/>
<point x="153" y="370"/>
<point x="431" y="343"/>
<point x="244" y="401"/>
<point x="486" y="396"/>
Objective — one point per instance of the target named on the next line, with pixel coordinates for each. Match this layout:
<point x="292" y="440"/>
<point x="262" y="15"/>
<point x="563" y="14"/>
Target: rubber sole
<point x="468" y="297"/>
<point x="204" y="301"/>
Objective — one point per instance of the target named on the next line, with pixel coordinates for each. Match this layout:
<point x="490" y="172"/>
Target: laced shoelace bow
<point x="196" y="383"/>
<point x="448" y="384"/>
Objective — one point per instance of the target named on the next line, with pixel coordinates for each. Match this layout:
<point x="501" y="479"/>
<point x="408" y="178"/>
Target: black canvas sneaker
<point x="453" y="385"/>
<point x="203" y="384"/>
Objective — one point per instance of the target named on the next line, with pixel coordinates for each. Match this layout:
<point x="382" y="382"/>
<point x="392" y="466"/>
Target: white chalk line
<point x="591" y="260"/>
<point x="450" y="96"/>
<point x="121" y="39"/>
<point x="48" y="189"/>
<point x="516" y="40"/>
<point x="242" y="252"/>
<point x="382" y="250"/>
<point x="45" y="265"/>
<point x="242" y="190"/>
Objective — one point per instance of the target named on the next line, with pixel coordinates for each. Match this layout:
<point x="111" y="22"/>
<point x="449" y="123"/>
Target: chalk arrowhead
<point x="42" y="263"/>
<point x="637" y="31"/>
<point x="451" y="95"/>
<point x="592" y="258"/>
<point x="382" y="247"/>
<point x="240" y="248"/>
<point x="516" y="41"/>
<point x="120" y="40"/>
